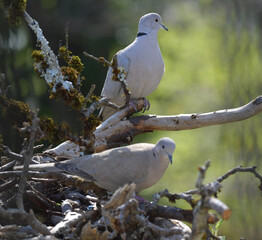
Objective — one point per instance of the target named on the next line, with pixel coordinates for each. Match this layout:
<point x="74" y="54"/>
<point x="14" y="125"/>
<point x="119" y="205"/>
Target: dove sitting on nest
<point x="143" y="164"/>
<point x="142" y="63"/>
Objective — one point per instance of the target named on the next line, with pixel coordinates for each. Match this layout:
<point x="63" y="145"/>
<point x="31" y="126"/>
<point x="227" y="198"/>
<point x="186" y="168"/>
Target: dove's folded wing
<point x="118" y="166"/>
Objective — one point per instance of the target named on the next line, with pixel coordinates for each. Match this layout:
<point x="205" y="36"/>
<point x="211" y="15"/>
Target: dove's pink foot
<point x="133" y="104"/>
<point x="145" y="107"/>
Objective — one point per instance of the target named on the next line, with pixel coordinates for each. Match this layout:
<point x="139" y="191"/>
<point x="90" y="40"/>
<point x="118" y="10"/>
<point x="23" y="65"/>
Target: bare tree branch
<point x="8" y="166"/>
<point x="114" y="129"/>
<point x="207" y="201"/>
<point x="12" y="155"/>
<point x="8" y="185"/>
<point x="19" y="217"/>
<point x="218" y="206"/>
<point x="197" y="120"/>
<point x="37" y="225"/>
<point x="99" y="59"/>
<point x="215" y="185"/>
<point x="89" y="94"/>
<point x="96" y="105"/>
<point x="202" y="173"/>
<point x="27" y="155"/>
<point x="242" y="169"/>
<point x="173" y="197"/>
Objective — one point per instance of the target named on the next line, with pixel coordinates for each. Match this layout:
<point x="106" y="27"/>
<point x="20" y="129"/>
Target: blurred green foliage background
<point x="213" y="61"/>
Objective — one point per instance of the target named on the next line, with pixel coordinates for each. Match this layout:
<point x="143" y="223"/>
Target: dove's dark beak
<point x="170" y="158"/>
<point x="164" y="27"/>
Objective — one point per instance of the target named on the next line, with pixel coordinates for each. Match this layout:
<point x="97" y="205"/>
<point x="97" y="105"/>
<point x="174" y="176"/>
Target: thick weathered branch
<point x="198" y="120"/>
<point x="115" y="130"/>
<point x="218" y="206"/>
<point x="192" y="121"/>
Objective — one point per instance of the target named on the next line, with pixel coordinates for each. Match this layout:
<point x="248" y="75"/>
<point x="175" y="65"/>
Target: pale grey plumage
<point x="143" y="64"/>
<point x="142" y="163"/>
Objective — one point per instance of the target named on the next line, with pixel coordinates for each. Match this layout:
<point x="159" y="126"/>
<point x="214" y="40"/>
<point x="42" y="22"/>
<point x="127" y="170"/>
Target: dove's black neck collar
<point x="139" y="34"/>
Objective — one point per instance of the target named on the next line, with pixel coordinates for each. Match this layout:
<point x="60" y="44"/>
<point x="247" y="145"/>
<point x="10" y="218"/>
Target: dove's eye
<point x="156" y="20"/>
<point x="163" y="147"/>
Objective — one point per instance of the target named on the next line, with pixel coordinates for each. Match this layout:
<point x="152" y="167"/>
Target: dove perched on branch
<point x="142" y="62"/>
<point x="143" y="164"/>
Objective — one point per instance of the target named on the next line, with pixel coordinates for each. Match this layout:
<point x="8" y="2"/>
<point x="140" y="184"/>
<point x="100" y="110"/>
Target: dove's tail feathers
<point x="72" y="168"/>
<point x="69" y="167"/>
<point x="47" y="167"/>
